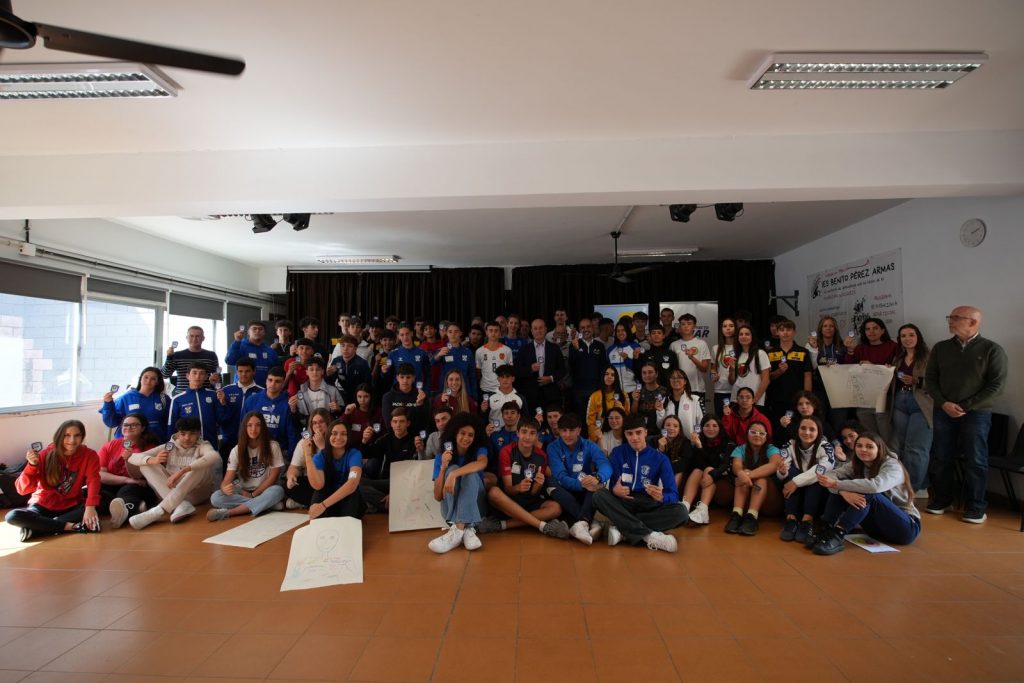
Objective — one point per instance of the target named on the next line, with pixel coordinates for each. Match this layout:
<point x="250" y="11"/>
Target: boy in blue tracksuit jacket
<point x="641" y="500"/>
<point x="580" y="468"/>
<point x="349" y="370"/>
<point x="504" y="435"/>
<point x="231" y="399"/>
<point x="253" y="347"/>
<point x="455" y="356"/>
<point x="274" y="405"/>
<point x="407" y="352"/>
<point x="199" y="403"/>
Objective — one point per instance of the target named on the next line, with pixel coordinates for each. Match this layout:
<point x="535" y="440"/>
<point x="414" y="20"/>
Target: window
<point x="213" y="330"/>
<point x="38" y="340"/>
<point x="118" y="343"/>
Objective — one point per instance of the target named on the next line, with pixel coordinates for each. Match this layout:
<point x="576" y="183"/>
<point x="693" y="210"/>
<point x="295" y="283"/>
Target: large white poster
<point x="411" y="503"/>
<point x="857" y="386"/>
<point x="326" y="552"/>
<point x="853" y="292"/>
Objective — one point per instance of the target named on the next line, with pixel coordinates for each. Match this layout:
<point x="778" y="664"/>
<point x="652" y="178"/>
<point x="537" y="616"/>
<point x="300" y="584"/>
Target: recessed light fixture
<point x="659" y="253"/>
<point x="864" y="70"/>
<point x="84" y="80"/>
<point x="354" y="260"/>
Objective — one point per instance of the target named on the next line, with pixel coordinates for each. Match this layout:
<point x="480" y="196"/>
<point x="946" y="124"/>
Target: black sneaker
<point x="974" y="517"/>
<point x="804" y="530"/>
<point x="788" y="530"/>
<point x="83" y="529"/>
<point x="813" y="537"/>
<point x="25" y="535"/>
<point x="936" y="508"/>
<point x="733" y="525"/>
<point x="749" y="525"/>
<point x="829" y="543"/>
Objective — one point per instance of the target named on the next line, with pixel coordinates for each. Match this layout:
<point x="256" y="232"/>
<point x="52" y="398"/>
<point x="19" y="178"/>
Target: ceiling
<point x="469" y="133"/>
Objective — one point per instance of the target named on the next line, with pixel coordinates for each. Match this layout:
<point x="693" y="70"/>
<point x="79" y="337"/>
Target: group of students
<point x="619" y="442"/>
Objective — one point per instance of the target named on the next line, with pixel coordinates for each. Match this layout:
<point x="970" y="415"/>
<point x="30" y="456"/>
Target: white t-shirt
<point x="693" y="374"/>
<point x="497" y="400"/>
<point x="488" y="362"/>
<point x="252" y="475"/>
<point x="722" y="386"/>
<point x="687" y="410"/>
<point x="752" y="379"/>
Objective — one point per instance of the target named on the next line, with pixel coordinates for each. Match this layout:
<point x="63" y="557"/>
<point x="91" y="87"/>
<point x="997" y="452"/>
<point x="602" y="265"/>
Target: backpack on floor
<point x="9" y="496"/>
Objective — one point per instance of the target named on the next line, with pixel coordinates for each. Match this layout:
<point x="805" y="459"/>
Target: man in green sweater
<point x="965" y="375"/>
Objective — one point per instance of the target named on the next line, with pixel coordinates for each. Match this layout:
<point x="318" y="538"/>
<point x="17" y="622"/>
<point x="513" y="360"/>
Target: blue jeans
<point x="912" y="437"/>
<point x="806" y="500"/>
<point x="970" y="435"/>
<point x="463" y="507"/>
<point x="270" y="497"/>
<point x="880" y="518"/>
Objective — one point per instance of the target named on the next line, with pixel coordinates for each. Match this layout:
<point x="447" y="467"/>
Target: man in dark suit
<point x="539" y="367"/>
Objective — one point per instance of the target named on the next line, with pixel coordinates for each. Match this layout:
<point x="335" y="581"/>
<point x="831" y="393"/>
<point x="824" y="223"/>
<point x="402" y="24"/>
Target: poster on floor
<point x="870" y="287"/>
<point x="260" y="530"/>
<point x="865" y="542"/>
<point x="706" y="313"/>
<point x="326" y="552"/>
<point x="857" y="386"/>
<point x="411" y="504"/>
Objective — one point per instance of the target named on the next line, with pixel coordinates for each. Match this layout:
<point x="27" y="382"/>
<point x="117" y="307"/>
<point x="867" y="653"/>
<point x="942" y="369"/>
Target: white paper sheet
<point x="871" y="545"/>
<point x="412" y="504"/>
<point x="856" y="386"/>
<point x="259" y="530"/>
<point x="327" y="552"/>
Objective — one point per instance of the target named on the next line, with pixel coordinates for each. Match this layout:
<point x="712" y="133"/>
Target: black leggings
<point x="44" y="520"/>
<point x="351" y="505"/>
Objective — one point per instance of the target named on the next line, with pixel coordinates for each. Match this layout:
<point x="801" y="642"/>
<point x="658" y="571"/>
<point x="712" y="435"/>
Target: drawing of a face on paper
<point x="326" y="541"/>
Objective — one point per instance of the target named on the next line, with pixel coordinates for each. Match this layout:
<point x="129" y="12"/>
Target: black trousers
<point x="132" y="495"/>
<point x="302" y="493"/>
<point x="576" y="505"/>
<point x="351" y="505"/>
<point x="44" y="520"/>
<point x="639" y="517"/>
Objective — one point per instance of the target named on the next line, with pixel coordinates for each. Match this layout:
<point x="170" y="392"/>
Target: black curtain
<point x="442" y="294"/>
<point x="538" y="290"/>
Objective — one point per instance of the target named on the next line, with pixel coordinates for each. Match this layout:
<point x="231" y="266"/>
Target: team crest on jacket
<point x="187" y="409"/>
<point x="645" y="470"/>
<point x="686" y="406"/>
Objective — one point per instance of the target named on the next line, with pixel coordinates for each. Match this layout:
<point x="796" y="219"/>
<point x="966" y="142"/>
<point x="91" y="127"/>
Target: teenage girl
<point x="711" y="462"/>
<point x="612" y="430"/>
<point x="752" y="464"/>
<point x="804" y="498"/>
<point x="250" y="483"/>
<point x="297" y="488"/>
<point x="673" y="443"/>
<point x="334" y="474"/>
<point x="610" y="395"/>
<point x="724" y="355"/>
<point x="683" y="404"/>
<point x="459" y="484"/>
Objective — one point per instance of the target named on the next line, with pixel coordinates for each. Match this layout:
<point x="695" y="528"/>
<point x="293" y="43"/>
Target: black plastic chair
<point x="1009" y="465"/>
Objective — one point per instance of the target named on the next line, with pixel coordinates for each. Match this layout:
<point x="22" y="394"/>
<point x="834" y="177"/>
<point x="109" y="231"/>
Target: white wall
<point x="19" y="430"/>
<point x="938" y="272"/>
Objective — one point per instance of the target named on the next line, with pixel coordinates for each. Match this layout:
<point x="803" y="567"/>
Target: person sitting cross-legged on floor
<point x="250" y="479"/>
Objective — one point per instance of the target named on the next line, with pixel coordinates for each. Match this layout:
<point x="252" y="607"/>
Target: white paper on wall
<point x="412" y="505"/>
<point x="856" y="386"/>
<point x="327" y="552"/>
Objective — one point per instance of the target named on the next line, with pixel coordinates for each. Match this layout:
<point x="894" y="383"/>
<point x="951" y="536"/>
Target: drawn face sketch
<point x="325" y="542"/>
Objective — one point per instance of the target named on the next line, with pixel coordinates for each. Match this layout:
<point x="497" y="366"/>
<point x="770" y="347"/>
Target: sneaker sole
<point x="118" y="513"/>
<point x="935" y="512"/>
<point x="970" y="520"/>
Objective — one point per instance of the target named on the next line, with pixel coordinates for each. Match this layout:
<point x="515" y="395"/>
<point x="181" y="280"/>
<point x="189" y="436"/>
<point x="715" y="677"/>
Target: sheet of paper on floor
<point x="327" y="552"/>
<point x="871" y="545"/>
<point x="259" y="530"/>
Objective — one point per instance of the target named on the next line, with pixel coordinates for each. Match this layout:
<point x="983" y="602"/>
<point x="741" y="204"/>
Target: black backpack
<point x="9" y="496"/>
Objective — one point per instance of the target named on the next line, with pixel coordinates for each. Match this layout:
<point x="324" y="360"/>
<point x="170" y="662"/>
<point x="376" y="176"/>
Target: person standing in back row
<point x="178" y="363"/>
<point x="964" y="376"/>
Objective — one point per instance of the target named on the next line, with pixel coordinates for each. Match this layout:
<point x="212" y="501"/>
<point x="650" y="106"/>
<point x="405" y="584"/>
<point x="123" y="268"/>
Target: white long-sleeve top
<point x="805" y="460"/>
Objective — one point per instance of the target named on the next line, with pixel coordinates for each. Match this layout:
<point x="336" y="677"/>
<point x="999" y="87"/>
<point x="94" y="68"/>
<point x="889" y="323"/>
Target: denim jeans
<point x="806" y="500"/>
<point x="463" y="507"/>
<point x="912" y="437"/>
<point x="880" y="518"/>
<point x="968" y="434"/>
<point x="270" y="497"/>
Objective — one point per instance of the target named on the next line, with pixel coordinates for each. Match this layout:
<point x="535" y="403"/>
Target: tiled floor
<point x="159" y="605"/>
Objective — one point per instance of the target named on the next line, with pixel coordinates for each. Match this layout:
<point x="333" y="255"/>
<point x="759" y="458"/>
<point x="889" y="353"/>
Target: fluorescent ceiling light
<point x="83" y="80"/>
<point x="864" y="70"/>
<point x="356" y="260"/>
<point x="659" y="253"/>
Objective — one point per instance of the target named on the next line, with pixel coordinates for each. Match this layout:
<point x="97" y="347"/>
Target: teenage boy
<point x="790" y="373"/>
<point x="495" y="403"/>
<point x="559" y="334"/>
<point x="668" y="317"/>
<point x="348" y="369"/>
<point x="408" y="352"/>
<point x="397" y="445"/>
<point x="311" y="330"/>
<point x="252" y="346"/>
<point x="512" y="339"/>
<point x="273" y="405"/>
<point x="539" y="368"/>
<point x="476" y="337"/>
<point x="641" y="500"/>
<point x="580" y="468"/>
<point x="178" y="363"/>
<point x="640" y="329"/>
<point x="549" y="427"/>
<point x="179" y="471"/>
<point x="505" y="433"/>
<point x="315" y="393"/>
<point x="455" y="356"/>
<point x="231" y="398"/>
<point x="659" y="355"/>
<point x="605" y="331"/>
<point x="295" y="367"/>
<point x="285" y="330"/>
<point x="432" y="343"/>
<point x="344" y="320"/>
<point x="490" y="357"/>
<point x="588" y="359"/>
<point x="363" y="348"/>
<point x="382" y="370"/>
<point x="405" y="395"/>
<point x="693" y="355"/>
<point x="519" y="497"/>
<point x="199" y="403"/>
<point x="417" y="329"/>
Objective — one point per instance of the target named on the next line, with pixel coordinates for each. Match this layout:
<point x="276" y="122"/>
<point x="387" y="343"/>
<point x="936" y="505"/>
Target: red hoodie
<point x="736" y="427"/>
<point x="82" y="469"/>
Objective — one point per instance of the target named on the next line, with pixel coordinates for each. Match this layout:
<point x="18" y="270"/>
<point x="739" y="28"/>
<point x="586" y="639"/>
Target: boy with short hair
<point x="790" y="373"/>
<point x="348" y="369"/>
<point x="641" y="500"/>
<point x="382" y="370"/>
<point x="397" y="445"/>
<point x="199" y="403"/>
<point x="276" y="408"/>
<point x="231" y="398"/>
<point x="490" y="357"/>
<point x="408" y="352"/>
<point x="520" y="495"/>
<point x="295" y="367"/>
<point x="455" y="356"/>
<point x="693" y="355"/>
<point x="252" y="346"/>
<point x="406" y="395"/>
<point x="504" y="433"/>
<point x="549" y="431"/>
<point x="495" y="403"/>
<point x="580" y="469"/>
<point x="316" y="393"/>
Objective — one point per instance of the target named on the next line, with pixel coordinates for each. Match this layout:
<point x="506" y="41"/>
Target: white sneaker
<point x="144" y="519"/>
<point x="118" y="513"/>
<point x="470" y="540"/>
<point x="216" y="514"/>
<point x="699" y="514"/>
<point x="451" y="540"/>
<point x="184" y="509"/>
<point x="686" y="506"/>
<point x="614" y="535"/>
<point x="659" y="541"/>
<point x="292" y="505"/>
<point x="596" y="529"/>
<point x="581" y="532"/>
<point x="278" y="506"/>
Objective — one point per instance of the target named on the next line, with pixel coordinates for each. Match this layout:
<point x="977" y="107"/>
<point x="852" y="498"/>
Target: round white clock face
<point x="972" y="232"/>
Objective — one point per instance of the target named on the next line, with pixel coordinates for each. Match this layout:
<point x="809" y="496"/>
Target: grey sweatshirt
<point x="888" y="481"/>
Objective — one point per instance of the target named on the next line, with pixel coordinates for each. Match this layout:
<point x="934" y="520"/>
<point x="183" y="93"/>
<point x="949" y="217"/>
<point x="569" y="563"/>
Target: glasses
<point x="131" y="425"/>
<point x="756" y="433"/>
<point x="957" y="318"/>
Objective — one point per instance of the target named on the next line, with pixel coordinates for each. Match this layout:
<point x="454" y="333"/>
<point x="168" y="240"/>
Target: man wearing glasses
<point x="965" y="375"/>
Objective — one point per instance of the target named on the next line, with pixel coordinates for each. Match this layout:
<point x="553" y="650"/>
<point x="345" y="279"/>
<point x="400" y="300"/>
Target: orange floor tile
<point x="159" y="605"/>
